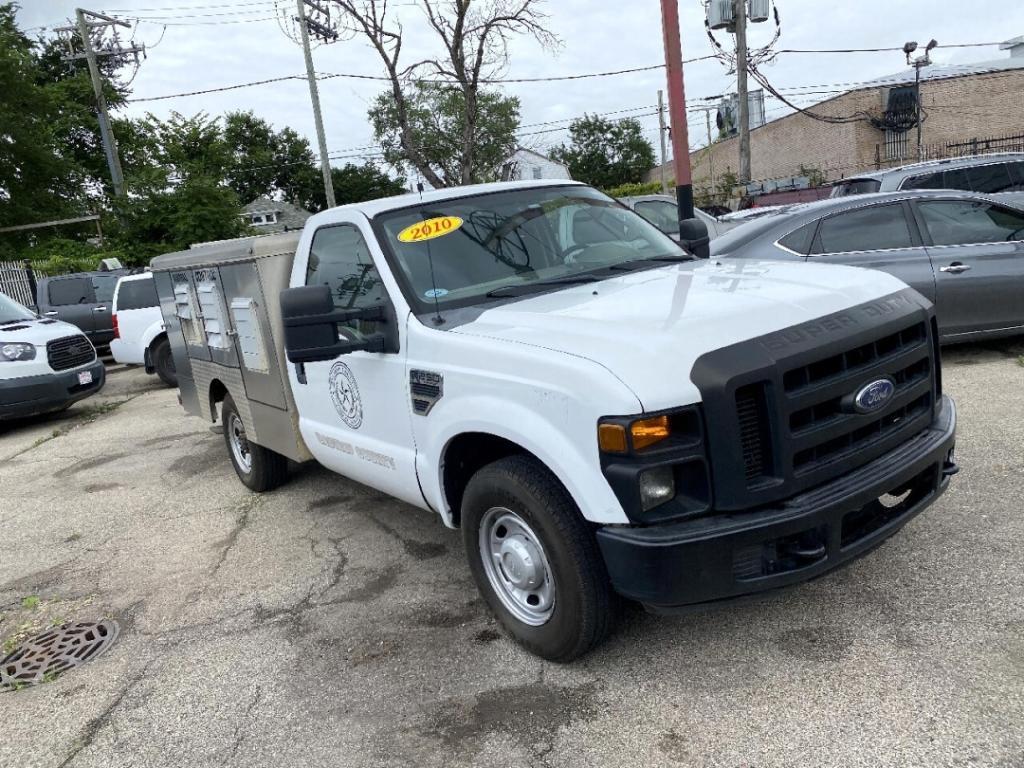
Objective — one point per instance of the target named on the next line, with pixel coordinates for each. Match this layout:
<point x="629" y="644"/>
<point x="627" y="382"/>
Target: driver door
<point x="354" y="410"/>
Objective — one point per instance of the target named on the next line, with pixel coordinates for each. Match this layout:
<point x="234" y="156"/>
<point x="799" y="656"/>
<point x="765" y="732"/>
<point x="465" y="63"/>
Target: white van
<point x="139" y="336"/>
<point x="45" y="364"/>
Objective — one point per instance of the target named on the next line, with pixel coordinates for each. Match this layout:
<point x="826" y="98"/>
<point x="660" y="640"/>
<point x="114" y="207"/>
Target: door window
<point x="73" y="290"/>
<point x="103" y="287"/>
<point x="340" y="259"/>
<point x="661" y="213"/>
<point x="925" y="181"/>
<point x="865" y="229"/>
<point x="961" y="222"/>
<point x="991" y="178"/>
<point x="136" y="294"/>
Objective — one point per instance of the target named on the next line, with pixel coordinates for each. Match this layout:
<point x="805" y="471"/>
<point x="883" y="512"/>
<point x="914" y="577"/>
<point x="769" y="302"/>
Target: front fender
<point x="155" y="329"/>
<point x="537" y="430"/>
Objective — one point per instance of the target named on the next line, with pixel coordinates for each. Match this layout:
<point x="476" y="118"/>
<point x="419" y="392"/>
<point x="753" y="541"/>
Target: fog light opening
<point x="657" y="486"/>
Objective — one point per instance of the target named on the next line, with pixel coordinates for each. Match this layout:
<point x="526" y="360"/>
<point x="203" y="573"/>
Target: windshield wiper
<point x="632" y="266"/>
<point x="515" y="290"/>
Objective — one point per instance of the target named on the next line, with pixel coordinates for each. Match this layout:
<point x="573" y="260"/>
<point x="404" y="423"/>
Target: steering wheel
<point x="568" y="253"/>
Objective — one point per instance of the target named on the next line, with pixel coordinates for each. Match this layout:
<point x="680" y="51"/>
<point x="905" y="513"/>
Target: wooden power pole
<point x="743" y="110"/>
<point x="85" y="22"/>
<point x="661" y="133"/>
<point x="314" y="95"/>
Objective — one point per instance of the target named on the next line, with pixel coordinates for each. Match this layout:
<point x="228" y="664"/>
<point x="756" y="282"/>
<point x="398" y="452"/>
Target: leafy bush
<point x="59" y="256"/>
<point x="641" y="188"/>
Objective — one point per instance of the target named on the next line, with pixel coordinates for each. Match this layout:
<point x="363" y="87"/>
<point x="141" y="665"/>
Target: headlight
<point x="17" y="351"/>
<point x="657" y="486"/>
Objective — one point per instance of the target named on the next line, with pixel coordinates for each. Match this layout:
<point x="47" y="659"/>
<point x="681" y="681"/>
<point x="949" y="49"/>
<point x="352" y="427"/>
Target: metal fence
<point x="18" y="281"/>
<point x="974" y="146"/>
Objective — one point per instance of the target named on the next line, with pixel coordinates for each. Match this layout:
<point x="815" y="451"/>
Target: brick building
<point x="962" y="103"/>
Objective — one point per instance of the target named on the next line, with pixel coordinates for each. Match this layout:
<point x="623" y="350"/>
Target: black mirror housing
<point x="311" y="326"/>
<point x="693" y="236"/>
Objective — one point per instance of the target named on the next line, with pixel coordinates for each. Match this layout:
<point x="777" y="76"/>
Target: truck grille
<point x="782" y="406"/>
<point x="69" y="352"/>
<point x="822" y="430"/>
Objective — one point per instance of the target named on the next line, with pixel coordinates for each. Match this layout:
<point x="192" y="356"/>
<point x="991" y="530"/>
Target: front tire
<point x="163" y="363"/>
<point x="260" y="469"/>
<point x="535" y="561"/>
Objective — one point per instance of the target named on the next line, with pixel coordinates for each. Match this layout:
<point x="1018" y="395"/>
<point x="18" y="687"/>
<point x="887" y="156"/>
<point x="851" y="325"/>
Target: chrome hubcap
<point x="239" y="445"/>
<point x="516" y="566"/>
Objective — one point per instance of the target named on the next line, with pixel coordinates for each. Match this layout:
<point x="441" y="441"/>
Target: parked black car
<point x="962" y="251"/>
<point x="83" y="299"/>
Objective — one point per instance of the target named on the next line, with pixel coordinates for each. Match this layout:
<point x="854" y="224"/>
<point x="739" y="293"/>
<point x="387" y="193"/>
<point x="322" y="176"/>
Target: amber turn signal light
<point x="611" y="438"/>
<point x="647" y="432"/>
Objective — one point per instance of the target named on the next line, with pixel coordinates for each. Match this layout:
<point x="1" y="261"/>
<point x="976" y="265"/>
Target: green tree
<point x="606" y="153"/>
<point x="436" y="119"/>
<point x="269" y="162"/>
<point x="37" y="180"/>
<point x="356" y="183"/>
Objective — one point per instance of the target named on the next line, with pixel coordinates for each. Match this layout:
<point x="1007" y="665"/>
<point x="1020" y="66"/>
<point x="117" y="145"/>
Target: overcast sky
<point x="200" y="44"/>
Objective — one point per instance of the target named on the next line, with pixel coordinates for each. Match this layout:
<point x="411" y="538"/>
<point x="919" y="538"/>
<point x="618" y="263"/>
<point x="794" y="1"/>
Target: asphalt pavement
<point x="325" y="624"/>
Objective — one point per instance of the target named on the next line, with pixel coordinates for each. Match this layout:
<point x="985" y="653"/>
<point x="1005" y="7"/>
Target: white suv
<point x="139" y="336"/>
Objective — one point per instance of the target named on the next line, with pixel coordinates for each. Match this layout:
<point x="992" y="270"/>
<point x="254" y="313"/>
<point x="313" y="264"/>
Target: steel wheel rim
<point x="239" y="444"/>
<point x="517" y="566"/>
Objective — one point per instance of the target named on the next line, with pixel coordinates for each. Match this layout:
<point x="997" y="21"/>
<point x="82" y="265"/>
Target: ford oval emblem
<point x="874" y="395"/>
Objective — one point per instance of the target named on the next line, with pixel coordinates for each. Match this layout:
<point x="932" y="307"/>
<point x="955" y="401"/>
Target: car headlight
<point x="17" y="351"/>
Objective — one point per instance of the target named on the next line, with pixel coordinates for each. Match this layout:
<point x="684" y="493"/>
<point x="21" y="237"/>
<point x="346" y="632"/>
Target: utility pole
<point x="711" y="155"/>
<point x="692" y="233"/>
<point x="661" y="133"/>
<point x="918" y="64"/>
<point x="324" y="32"/>
<point x="85" y="22"/>
<point x="740" y="15"/>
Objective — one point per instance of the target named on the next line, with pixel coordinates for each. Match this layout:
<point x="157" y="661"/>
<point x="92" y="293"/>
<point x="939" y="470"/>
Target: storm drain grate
<point x="57" y="650"/>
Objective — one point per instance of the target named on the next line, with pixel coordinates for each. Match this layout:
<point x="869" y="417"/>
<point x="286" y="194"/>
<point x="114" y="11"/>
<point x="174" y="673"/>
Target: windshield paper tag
<point x="429" y="229"/>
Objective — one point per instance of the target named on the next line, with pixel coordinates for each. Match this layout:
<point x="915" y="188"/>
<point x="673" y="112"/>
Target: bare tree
<point x="475" y="35"/>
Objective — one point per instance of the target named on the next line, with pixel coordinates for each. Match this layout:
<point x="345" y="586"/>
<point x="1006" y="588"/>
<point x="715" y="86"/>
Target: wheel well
<point x="467" y="453"/>
<point x="217" y="394"/>
<point x="162" y="336"/>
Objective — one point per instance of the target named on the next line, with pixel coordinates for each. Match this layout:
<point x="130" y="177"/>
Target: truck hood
<point x="36" y="331"/>
<point x="648" y="328"/>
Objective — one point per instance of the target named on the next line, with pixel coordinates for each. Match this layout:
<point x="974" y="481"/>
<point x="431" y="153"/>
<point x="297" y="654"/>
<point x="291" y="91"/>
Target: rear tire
<point x="516" y="515"/>
<point x="163" y="362"/>
<point x="260" y="469"/>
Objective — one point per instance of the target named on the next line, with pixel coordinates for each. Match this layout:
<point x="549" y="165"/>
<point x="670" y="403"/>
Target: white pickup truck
<point x="600" y="414"/>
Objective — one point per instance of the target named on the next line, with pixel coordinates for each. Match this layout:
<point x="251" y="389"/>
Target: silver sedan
<point x="963" y="251"/>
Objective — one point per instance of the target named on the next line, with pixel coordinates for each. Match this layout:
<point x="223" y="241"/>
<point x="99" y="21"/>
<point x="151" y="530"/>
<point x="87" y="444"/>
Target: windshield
<point x="458" y="252"/>
<point x="11" y="311"/>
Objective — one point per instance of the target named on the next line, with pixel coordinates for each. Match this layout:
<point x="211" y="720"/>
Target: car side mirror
<point x="312" y="331"/>
<point x="693" y="236"/>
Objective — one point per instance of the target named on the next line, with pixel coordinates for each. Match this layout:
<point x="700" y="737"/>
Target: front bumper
<point x="30" y="395"/>
<point x="732" y="554"/>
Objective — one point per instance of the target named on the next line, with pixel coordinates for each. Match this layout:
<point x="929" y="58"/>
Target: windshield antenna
<point x="438" y="319"/>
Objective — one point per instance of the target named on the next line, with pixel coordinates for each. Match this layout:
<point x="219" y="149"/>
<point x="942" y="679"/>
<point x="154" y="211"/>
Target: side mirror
<point x="311" y="325"/>
<point x="693" y="236"/>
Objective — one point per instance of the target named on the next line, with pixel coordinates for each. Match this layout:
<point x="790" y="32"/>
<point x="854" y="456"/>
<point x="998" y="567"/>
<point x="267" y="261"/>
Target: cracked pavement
<point x="325" y="624"/>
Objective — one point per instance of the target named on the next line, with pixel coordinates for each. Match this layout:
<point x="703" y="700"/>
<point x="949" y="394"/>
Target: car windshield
<point x="460" y="251"/>
<point x="11" y="311"/>
<point x="856" y="187"/>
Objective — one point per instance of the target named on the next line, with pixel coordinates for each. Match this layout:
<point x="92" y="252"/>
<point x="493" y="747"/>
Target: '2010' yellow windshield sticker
<point x="429" y="229"/>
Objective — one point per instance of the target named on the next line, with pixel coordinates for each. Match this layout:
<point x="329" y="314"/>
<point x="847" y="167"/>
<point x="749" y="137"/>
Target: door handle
<point x="51" y="313"/>
<point x="99" y="309"/>
<point x="955" y="268"/>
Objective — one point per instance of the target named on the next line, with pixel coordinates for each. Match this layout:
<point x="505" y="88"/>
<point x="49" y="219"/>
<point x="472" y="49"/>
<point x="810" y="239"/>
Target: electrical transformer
<point x="758" y="10"/>
<point x="720" y="14"/>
